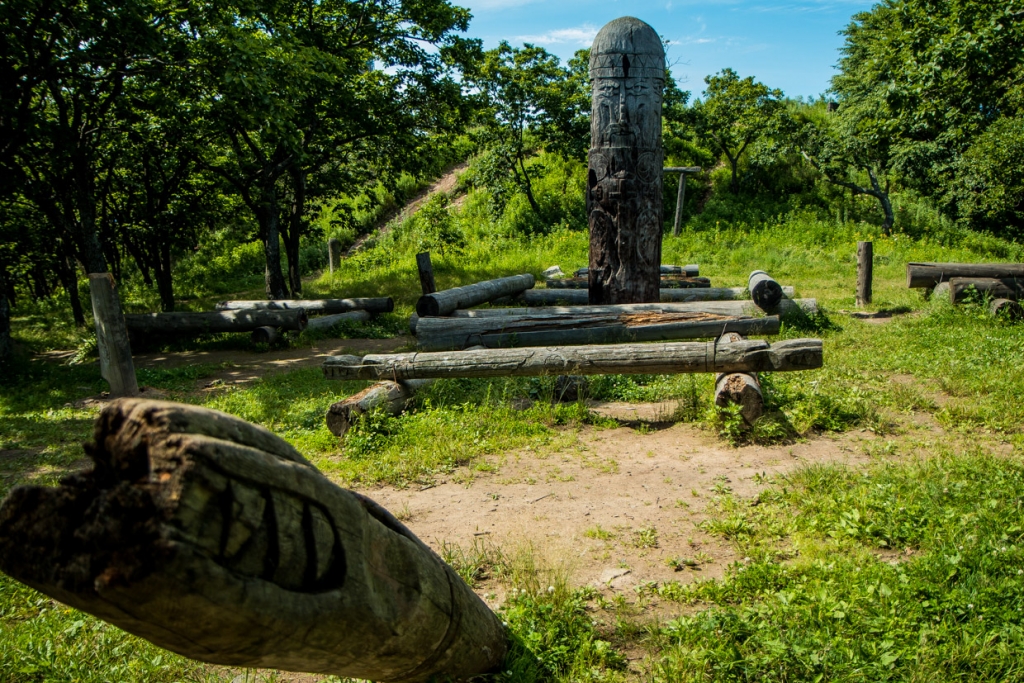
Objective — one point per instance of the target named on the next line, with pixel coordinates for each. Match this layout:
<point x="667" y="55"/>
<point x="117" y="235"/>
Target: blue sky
<point x="788" y="45"/>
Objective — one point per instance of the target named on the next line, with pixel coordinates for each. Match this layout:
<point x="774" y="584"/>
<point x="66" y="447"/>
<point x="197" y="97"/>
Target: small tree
<point x="734" y="114"/>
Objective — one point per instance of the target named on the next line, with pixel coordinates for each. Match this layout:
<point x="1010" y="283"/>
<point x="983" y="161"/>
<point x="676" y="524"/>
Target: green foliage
<point x="989" y="187"/>
<point x="948" y="606"/>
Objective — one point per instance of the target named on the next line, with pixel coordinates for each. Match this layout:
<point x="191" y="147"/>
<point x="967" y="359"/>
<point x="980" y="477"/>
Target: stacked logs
<point x="266" y="321"/>
<point x="1001" y="284"/>
<point x="446" y="326"/>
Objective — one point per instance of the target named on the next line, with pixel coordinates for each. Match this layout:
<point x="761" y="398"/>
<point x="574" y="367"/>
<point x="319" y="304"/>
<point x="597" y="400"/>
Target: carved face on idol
<point x="625" y="110"/>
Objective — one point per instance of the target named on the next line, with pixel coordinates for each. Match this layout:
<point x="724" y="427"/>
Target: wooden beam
<point x="926" y="275"/>
<point x="326" y="322"/>
<point x="185" y="322"/>
<point x="436" y="334"/>
<point x="448" y="300"/>
<point x="865" y="265"/>
<point x="382" y="304"/>
<point x="215" y="539"/>
<point x="613" y="359"/>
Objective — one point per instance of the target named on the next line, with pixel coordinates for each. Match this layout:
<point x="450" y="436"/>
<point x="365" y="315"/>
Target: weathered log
<point x="613" y="359"/>
<point x="923" y="275"/>
<point x="426" y="271"/>
<point x="215" y="321"/>
<point x="764" y="290"/>
<point x="214" y="538"/>
<point x="265" y="335"/>
<point x="742" y="308"/>
<point x="667" y="282"/>
<point x="739" y="388"/>
<point x="392" y="396"/>
<point x="961" y="288"/>
<point x="437" y="334"/>
<point x="865" y="265"/>
<point x="1006" y="308"/>
<point x="690" y="270"/>
<point x="116" y="365"/>
<point x="326" y="322"/>
<point x="448" y="300"/>
<point x="383" y="304"/>
<point x="571" y="297"/>
<point x="940" y="291"/>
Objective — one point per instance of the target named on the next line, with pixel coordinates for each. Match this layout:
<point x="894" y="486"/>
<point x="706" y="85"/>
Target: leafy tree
<point x="564" y="127"/>
<point x="843" y="146"/>
<point x="926" y="78"/>
<point x="989" y="188"/>
<point x="736" y="113"/>
<point x="514" y="86"/>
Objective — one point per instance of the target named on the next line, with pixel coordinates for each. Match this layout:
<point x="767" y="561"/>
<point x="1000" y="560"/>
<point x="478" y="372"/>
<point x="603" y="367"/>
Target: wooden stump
<point x="116" y="364"/>
<point x="1006" y="308"/>
<point x="739" y="388"/>
<point x="215" y="539"/>
<point x="426" y="270"/>
<point x="393" y="397"/>
<point x="333" y="253"/>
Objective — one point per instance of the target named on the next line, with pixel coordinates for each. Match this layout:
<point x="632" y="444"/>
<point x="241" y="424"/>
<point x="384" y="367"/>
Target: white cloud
<point x="579" y="35"/>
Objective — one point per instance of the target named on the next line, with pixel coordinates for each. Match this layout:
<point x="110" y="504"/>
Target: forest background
<point x="199" y="149"/>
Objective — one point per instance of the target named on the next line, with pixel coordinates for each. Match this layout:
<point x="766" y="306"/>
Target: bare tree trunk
<point x="882" y="195"/>
<point x="294" y="231"/>
<point x="6" y="346"/>
<point x="66" y="273"/>
<point x="268" y="216"/>
<point x="164" y="283"/>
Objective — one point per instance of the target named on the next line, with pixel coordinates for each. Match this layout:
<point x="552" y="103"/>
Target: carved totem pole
<point x="627" y="73"/>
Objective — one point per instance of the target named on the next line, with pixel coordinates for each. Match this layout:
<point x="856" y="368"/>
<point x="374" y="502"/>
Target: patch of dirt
<point x="617" y="507"/>
<point x="878" y="317"/>
<point x="445" y="183"/>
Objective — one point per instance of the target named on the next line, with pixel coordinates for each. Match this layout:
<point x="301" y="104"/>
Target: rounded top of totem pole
<point x="627" y="47"/>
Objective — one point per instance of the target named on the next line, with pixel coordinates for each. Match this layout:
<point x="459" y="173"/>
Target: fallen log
<point x="383" y="304"/>
<point x="1006" y="308"/>
<point x="326" y="322"/>
<point x="764" y="290"/>
<point x="437" y="334"/>
<point x="214" y="538"/>
<point x="667" y="282"/>
<point x="924" y="275"/>
<point x="690" y="270"/>
<point x="214" y="321"/>
<point x="574" y="297"/>
<point x="739" y="388"/>
<point x="613" y="359"/>
<point x="392" y="396"/>
<point x="265" y="335"/>
<point x="746" y="308"/>
<point x="448" y="300"/>
<point x="961" y="288"/>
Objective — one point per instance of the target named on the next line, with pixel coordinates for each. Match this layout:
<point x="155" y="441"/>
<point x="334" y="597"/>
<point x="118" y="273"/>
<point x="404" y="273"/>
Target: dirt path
<point x="445" y="183"/>
<point x="616" y="508"/>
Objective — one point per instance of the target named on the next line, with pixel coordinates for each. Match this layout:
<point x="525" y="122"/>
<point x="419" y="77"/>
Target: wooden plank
<point x="116" y="365"/>
<point x="213" y="538"/>
<point x="448" y="300"/>
<point x="436" y="334"/>
<point x="382" y="304"/>
<point x="215" y="321"/>
<point x="927" y="275"/>
<point x="621" y="359"/>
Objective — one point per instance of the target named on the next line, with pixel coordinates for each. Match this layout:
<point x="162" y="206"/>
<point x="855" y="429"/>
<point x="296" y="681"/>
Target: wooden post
<point x="216" y="539"/>
<point x="112" y="336"/>
<point x="865" y="260"/>
<point x="681" y="194"/>
<point x="426" y="273"/>
<point x="739" y="388"/>
<point x="333" y="253"/>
